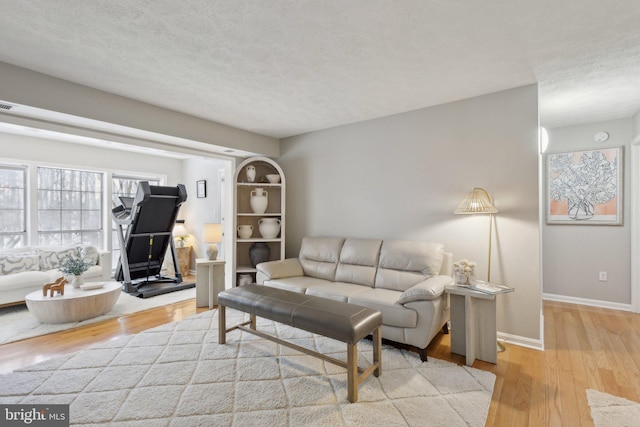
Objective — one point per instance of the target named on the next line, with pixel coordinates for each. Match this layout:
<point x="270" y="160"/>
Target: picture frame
<point x="585" y="187"/>
<point x="201" y="189"/>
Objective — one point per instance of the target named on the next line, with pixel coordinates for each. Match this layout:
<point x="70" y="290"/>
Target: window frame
<point x="24" y="234"/>
<point x="46" y="235"/>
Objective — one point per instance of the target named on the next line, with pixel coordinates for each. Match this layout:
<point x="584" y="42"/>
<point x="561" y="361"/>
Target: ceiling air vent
<point x="5" y="106"/>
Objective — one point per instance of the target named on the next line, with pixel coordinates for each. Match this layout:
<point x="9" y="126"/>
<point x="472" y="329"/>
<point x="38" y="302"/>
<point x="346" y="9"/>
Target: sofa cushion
<point x="358" y="261"/>
<point x="393" y="314"/>
<point x="11" y="263"/>
<point x="319" y="256"/>
<point x="28" y="280"/>
<point x="298" y="284"/>
<point x="404" y="263"/>
<point x="52" y="258"/>
<point x="338" y="291"/>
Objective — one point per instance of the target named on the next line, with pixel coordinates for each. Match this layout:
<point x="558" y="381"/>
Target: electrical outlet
<point x="602" y="276"/>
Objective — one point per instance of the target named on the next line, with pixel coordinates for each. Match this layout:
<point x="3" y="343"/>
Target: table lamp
<point x="213" y="235"/>
<point x="180" y="233"/>
<point x="479" y="202"/>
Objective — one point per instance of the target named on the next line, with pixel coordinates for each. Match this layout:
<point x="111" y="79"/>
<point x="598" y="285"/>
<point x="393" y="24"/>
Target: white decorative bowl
<point x="273" y="178"/>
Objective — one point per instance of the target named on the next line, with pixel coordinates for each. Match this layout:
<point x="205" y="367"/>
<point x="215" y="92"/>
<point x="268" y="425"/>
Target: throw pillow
<point x="90" y="253"/>
<point x="17" y="263"/>
<point x="51" y="259"/>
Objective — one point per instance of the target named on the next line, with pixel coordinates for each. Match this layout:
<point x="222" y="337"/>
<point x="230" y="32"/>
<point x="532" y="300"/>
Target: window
<point x="123" y="186"/>
<point x="13" y="224"/>
<point x="69" y="207"/>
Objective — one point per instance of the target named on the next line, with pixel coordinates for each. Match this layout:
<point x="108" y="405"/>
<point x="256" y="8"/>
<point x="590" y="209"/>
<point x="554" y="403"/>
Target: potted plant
<point x="74" y="265"/>
<point x="180" y="241"/>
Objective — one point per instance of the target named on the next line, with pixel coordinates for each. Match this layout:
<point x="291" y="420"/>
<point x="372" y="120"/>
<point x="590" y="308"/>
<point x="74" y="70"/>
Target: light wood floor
<point x="586" y="347"/>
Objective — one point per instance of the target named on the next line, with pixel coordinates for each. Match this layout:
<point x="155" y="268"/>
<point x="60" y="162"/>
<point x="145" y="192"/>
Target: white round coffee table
<point x="75" y="305"/>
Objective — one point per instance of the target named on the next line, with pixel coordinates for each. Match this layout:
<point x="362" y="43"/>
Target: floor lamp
<point x="479" y="202"/>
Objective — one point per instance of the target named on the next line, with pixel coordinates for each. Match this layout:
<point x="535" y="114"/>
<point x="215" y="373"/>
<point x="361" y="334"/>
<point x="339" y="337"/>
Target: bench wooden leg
<point x="352" y="372"/>
<point x="377" y="351"/>
<point x="253" y="321"/>
<point x="222" y="324"/>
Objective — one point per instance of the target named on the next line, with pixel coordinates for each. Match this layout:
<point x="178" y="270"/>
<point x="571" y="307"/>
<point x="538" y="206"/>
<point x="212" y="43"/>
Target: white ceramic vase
<point x="269" y="227"/>
<point x="245" y="231"/>
<point x="259" y="200"/>
<point x="77" y="281"/>
<point x="245" y="279"/>
<point x="251" y="173"/>
<point x="464" y="279"/>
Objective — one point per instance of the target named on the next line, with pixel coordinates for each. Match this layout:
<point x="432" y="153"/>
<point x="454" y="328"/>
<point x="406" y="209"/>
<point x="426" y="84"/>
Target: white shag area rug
<point x="178" y="375"/>
<point x="17" y="323"/>
<point x="612" y="411"/>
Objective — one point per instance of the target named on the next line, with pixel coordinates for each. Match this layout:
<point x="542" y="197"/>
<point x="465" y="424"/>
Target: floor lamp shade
<point x="476" y="202"/>
<point x="213" y="235"/>
<point x="479" y="202"/>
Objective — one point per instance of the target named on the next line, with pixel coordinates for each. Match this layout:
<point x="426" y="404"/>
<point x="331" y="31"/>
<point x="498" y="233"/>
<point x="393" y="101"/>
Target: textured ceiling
<point x="282" y="68"/>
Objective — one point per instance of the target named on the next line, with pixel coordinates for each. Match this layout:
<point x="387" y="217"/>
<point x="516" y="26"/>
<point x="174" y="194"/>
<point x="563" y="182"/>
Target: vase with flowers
<point x="464" y="272"/>
<point x="75" y="265"/>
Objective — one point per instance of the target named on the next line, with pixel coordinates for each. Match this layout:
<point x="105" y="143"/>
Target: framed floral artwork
<point x="585" y="187"/>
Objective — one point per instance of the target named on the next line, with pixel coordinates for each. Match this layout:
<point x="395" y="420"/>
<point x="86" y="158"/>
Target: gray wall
<point x="26" y="87"/>
<point x="21" y="148"/>
<point x="575" y="254"/>
<point x="200" y="211"/>
<point x="402" y="176"/>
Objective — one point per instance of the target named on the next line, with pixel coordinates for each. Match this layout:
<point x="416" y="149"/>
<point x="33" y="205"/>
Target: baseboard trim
<point x="586" y="301"/>
<point x="521" y="341"/>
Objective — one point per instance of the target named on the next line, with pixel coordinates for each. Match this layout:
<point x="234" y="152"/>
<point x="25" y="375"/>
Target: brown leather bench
<point x="342" y="321"/>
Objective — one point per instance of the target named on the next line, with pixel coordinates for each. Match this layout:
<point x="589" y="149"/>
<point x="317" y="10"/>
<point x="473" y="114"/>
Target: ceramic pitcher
<point x="245" y="231"/>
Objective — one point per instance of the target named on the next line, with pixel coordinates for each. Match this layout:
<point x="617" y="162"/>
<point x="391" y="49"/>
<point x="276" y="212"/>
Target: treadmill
<point x="149" y="218"/>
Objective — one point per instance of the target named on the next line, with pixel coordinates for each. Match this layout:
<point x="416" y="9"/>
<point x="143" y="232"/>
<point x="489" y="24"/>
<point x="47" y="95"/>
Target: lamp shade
<point x="212" y="233"/>
<point x="476" y="202"/>
<point x="179" y="230"/>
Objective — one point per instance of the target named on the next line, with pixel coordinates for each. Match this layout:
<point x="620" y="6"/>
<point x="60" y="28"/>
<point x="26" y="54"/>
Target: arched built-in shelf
<point x="244" y="215"/>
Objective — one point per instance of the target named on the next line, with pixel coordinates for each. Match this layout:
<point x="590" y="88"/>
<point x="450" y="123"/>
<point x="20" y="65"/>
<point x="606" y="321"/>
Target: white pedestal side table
<point x="209" y="281"/>
<point x="473" y="324"/>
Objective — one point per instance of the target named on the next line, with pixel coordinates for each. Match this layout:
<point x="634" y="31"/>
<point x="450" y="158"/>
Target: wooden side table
<point x="209" y="281"/>
<point x="184" y="259"/>
<point x="473" y="324"/>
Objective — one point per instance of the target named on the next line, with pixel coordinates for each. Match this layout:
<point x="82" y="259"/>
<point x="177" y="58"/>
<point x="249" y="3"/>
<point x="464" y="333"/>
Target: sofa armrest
<point x="429" y="289"/>
<point x="104" y="261"/>
<point x="279" y="269"/>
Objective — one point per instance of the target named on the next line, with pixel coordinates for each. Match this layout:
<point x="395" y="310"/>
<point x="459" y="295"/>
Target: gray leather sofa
<point x="403" y="279"/>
